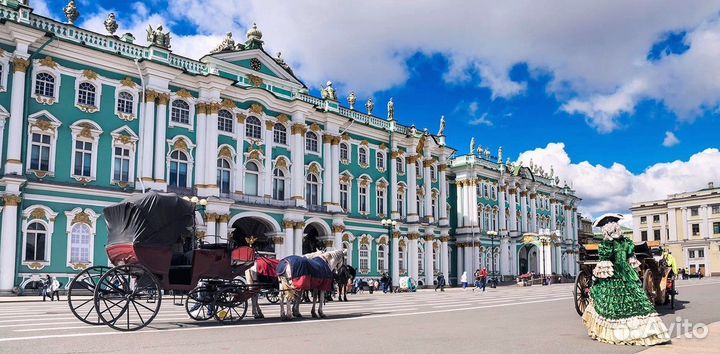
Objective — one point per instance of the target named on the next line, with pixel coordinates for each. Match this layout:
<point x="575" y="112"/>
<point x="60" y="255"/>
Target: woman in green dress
<point x="619" y="311"/>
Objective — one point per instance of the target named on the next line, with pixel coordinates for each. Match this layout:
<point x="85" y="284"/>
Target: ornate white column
<point x="2" y="136"/>
<point x="533" y="212"/>
<point x="442" y="212"/>
<point x="705" y="225"/>
<point x="299" y="228"/>
<point x="460" y="253"/>
<point x="553" y="214"/>
<point x="513" y="209"/>
<point x="13" y="164"/>
<point x="427" y="186"/>
<point x="148" y="133"/>
<point x="335" y="167"/>
<point x="211" y="151"/>
<point x="468" y="219"/>
<point x="211" y="228"/>
<point x="395" y="270"/>
<point x="327" y="170"/>
<point x="8" y="242"/>
<point x="568" y="222"/>
<point x="473" y="203"/>
<point x="504" y="256"/>
<point x="337" y="236"/>
<point x="394" y="214"/>
<point x="238" y="171"/>
<point x="686" y="226"/>
<point x="460" y="207"/>
<point x="160" y="140"/>
<point x="289" y="241"/>
<point x="269" y="141"/>
<point x="429" y="267"/>
<point x="445" y="256"/>
<point x="279" y="241"/>
<point x="298" y="166"/>
<point x="413" y="255"/>
<point x="469" y="259"/>
<point x="523" y="211"/>
<point x="672" y="225"/>
<point x="502" y="223"/>
<point x="663" y="228"/>
<point x="412" y="212"/>
<point x="222" y="227"/>
<point x="201" y="148"/>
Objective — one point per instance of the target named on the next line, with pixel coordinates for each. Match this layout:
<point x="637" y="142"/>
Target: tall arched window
<point x="433" y="205"/>
<point x="311" y="142"/>
<point x="223" y="175"/>
<point x="252" y="175"/>
<point x="401" y="260"/>
<point x="125" y="102"/>
<point x="180" y="112"/>
<point x="401" y="203"/>
<point x="364" y="257"/>
<point x="421" y="259"/>
<point x="86" y="94"/>
<point x="279" y="134"/>
<point x="35" y="242"/>
<point x="44" y="85"/>
<point x="225" y="121"/>
<point x="80" y="243"/>
<point x="362" y="156"/>
<point x="433" y="174"/>
<point x="418" y="170"/>
<point x="178" y="169"/>
<point x="311" y="189"/>
<point x="253" y="128"/>
<point x="436" y="266"/>
<point x="400" y="165"/>
<point x="382" y="265"/>
<point x="278" y="184"/>
<point x="344" y="152"/>
<point x="379" y="160"/>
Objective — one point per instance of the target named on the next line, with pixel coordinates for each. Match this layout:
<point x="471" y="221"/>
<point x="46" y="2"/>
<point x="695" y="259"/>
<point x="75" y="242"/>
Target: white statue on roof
<point x="472" y="145"/>
<point x="441" y="131"/>
<point x="480" y="151"/>
<point x="328" y="92"/>
<point x="391" y="109"/>
<point x="157" y="37"/>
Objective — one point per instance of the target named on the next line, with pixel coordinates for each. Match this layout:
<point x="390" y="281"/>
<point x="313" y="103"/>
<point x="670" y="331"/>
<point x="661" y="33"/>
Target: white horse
<point x="251" y="277"/>
<point x="290" y="295"/>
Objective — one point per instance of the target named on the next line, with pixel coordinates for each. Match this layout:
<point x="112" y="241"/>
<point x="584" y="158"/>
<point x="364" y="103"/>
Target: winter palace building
<point x="87" y="119"/>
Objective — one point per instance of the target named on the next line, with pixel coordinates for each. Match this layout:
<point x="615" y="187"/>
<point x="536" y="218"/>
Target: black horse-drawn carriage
<point x="655" y="275"/>
<point x="152" y="247"/>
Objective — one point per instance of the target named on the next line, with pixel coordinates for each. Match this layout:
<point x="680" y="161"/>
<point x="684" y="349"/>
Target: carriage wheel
<point x="273" y="295"/>
<point x="199" y="304"/>
<point x="230" y="305"/>
<point x="649" y="286"/>
<point x="80" y="294"/>
<point x="583" y="283"/>
<point x="128" y="297"/>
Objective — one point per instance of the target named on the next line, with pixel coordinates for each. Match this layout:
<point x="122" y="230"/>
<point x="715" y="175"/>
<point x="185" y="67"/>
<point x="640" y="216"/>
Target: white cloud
<point x="595" y="52"/>
<point x="482" y="120"/>
<point x="472" y="111"/>
<point x="670" y="139"/>
<point x="613" y="189"/>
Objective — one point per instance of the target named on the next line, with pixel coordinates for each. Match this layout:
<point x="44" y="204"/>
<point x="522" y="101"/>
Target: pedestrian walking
<point x="476" y="277"/>
<point x="53" y="288"/>
<point x="46" y="286"/>
<point x="440" y="282"/>
<point x="463" y="280"/>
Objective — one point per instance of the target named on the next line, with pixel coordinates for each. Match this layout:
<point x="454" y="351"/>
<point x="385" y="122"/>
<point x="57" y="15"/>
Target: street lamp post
<point x="492" y="235"/>
<point x="390" y="224"/>
<point x="200" y="205"/>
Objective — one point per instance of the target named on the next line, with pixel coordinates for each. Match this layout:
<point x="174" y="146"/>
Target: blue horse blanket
<point x="307" y="274"/>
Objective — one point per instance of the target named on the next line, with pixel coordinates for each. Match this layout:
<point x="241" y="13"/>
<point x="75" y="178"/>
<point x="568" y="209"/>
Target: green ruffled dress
<point x="619" y="310"/>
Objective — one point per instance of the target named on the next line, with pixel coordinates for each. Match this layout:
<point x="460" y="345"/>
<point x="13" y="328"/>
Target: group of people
<point x="50" y="288"/>
<point x="481" y="277"/>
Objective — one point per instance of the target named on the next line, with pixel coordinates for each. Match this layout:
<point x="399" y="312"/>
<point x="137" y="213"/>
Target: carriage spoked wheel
<point x="273" y="296"/>
<point x="199" y="304"/>
<point x="128" y="297"/>
<point x="649" y="286"/>
<point x="230" y="305"/>
<point x="583" y="283"/>
<point x="80" y="294"/>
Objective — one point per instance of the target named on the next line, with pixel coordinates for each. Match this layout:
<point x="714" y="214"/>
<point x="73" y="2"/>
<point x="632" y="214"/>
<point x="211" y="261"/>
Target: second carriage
<point x="152" y="247"/>
<point x="656" y="275"/>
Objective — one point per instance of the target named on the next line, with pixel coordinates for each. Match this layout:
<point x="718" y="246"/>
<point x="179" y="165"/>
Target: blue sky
<point x="622" y="98"/>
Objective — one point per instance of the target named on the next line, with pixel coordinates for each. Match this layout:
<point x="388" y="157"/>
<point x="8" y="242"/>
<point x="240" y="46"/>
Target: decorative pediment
<point x="314" y="168"/>
<point x="180" y="144"/>
<point x="48" y="62"/>
<point x="252" y="61"/>
<point x="225" y="152"/>
<point x="283" y="118"/>
<point x="90" y="75"/>
<point x="127" y="82"/>
<point x="281" y="162"/>
<point x="254" y="154"/>
<point x="227" y="104"/>
<point x="315" y="127"/>
<point x="256" y="108"/>
<point x="82" y="218"/>
<point x="183" y="93"/>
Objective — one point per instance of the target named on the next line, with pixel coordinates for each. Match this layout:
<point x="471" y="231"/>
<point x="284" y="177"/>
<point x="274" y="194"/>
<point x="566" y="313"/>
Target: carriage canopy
<point x="151" y="219"/>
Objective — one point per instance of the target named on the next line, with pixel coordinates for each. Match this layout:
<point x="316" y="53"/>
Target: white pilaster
<point x="533" y="213"/>
<point x="444" y="257"/>
<point x="513" y="209"/>
<point x="13" y="164"/>
<point x="211" y="151"/>
<point x="429" y="268"/>
<point x="327" y="170"/>
<point x="504" y="256"/>
<point x="395" y="257"/>
<point x="412" y="212"/>
<point x="201" y="148"/>
<point x="427" y="186"/>
<point x="148" y="133"/>
<point x="160" y="143"/>
<point x="460" y="207"/>
<point x="413" y="255"/>
<point x="222" y="227"/>
<point x="394" y="213"/>
<point x="268" y="173"/>
<point x="523" y="212"/>
<point x="238" y="171"/>
<point x="8" y="243"/>
<point x="568" y="223"/>
<point x="442" y="179"/>
<point x="298" y="241"/>
<point x="672" y="224"/>
<point x="502" y="223"/>
<point x="553" y="215"/>
<point x="335" y="176"/>
<point x="289" y="241"/>
<point x="459" y="259"/>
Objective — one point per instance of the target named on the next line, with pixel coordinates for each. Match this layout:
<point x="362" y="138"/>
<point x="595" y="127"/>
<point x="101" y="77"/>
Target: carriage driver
<point x="670" y="261"/>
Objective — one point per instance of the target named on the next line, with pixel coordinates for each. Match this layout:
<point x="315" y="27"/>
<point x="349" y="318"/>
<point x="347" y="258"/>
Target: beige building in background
<point x="688" y="223"/>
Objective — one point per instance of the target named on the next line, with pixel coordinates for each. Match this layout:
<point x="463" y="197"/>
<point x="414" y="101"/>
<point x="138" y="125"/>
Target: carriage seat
<point x="181" y="259"/>
<point x="243" y="256"/>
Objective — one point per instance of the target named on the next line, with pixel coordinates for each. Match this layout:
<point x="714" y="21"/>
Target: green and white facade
<point x="87" y="119"/>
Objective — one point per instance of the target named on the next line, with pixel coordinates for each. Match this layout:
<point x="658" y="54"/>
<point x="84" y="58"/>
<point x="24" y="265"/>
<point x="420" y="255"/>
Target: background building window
<point x="311" y="142"/>
<point x="178" y="169"/>
<point x="694" y="211"/>
<point x="380" y="201"/>
<point x="379" y="160"/>
<point x="344" y="197"/>
<point x="362" y="156"/>
<point x="253" y="128"/>
<point x="643" y="219"/>
<point x="656" y="218"/>
<point x="80" y="243"/>
<point x="695" y="229"/>
<point x="121" y="164"/>
<point x="364" y="258"/>
<point x="279" y="134"/>
<point x="225" y="121"/>
<point x="35" y="242"/>
<point x="44" y="85"/>
<point x="252" y="175"/>
<point x="399" y="165"/>
<point x="643" y="235"/>
<point x="363" y="195"/>
<point x="656" y="235"/>
<point x="715" y="208"/>
<point x="344" y="152"/>
<point x="401" y="203"/>
<point x="86" y="94"/>
<point x="83" y="158"/>
<point x="125" y="103"/>
<point x="180" y="112"/>
<point x="278" y="184"/>
<point x="716" y="228"/>
<point x="311" y="189"/>
<point x="40" y="152"/>
<point x="223" y="175"/>
<point x="381" y="258"/>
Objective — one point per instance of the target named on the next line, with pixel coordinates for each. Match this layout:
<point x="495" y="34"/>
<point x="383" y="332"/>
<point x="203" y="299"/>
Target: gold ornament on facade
<point x="36" y="266"/>
<point x="213" y="108"/>
<point x="48" y="62"/>
<point x="396" y="234"/>
<point x="250" y="240"/>
<point x="200" y="235"/>
<point x="181" y="145"/>
<point x="79" y="266"/>
<point x="429" y="237"/>
<point x="283" y="118"/>
<point x="411" y="159"/>
<point x="346" y="238"/>
<point x="444" y="238"/>
<point x="335" y="140"/>
<point x="382" y="185"/>
<point x="300" y="225"/>
<point x="228" y="104"/>
<point x="401" y="189"/>
<point x="225" y="152"/>
<point x="338" y="228"/>
<point x="382" y="146"/>
<point x="163" y="99"/>
<point x="257" y="108"/>
<point x="82" y="218"/>
<point x="87" y="108"/>
<point x="428" y="163"/>
<point x="269" y="125"/>
<point x="401" y="244"/>
<point x="127" y="82"/>
<point x="364" y="182"/>
<point x="346" y="137"/>
<point x="43" y="125"/>
<point x="364" y="241"/>
<point x="315" y="127"/>
<point x="37" y="213"/>
<point x="241" y="118"/>
<point x="124" y="139"/>
<point x="313" y="168"/>
<point x="327" y="139"/>
<point x="255" y="80"/>
<point x="183" y="93"/>
<point x="90" y="75"/>
<point x="86" y="132"/>
<point x="281" y="163"/>
<point x="254" y="154"/>
<point x="20" y="64"/>
<point x="420" y="146"/>
<point x="364" y="143"/>
<point x="328" y="243"/>
<point x="150" y="95"/>
<point x="345" y="178"/>
<point x="288" y="224"/>
<point x="278" y="240"/>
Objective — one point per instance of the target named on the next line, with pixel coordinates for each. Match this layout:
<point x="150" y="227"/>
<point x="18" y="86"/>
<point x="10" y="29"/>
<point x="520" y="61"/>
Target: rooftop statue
<point x="487" y="154"/>
<point x="480" y="151"/>
<point x="441" y="131"/>
<point x="421" y="145"/>
<point x="352" y="100"/>
<point x="281" y="62"/>
<point x="391" y="109"/>
<point x="472" y="145"/>
<point x="500" y="154"/>
<point x="111" y="24"/>
<point x="254" y="38"/>
<point x="370" y="105"/>
<point x="71" y="12"/>
<point x="157" y="37"/>
<point x="328" y="92"/>
<point x="227" y="44"/>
